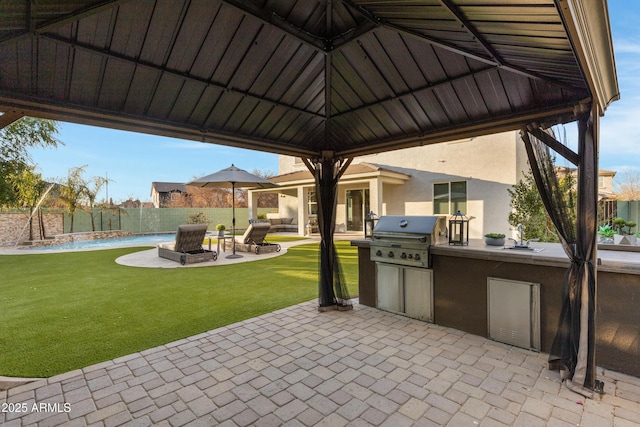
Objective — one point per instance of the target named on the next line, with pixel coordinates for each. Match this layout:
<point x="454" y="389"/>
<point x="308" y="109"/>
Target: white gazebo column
<point x="302" y="210"/>
<point x="253" y="204"/>
<point x="375" y="196"/>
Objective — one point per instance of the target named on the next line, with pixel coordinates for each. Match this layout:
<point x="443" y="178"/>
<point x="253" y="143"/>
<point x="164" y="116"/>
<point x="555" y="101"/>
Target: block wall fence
<point x="131" y="220"/>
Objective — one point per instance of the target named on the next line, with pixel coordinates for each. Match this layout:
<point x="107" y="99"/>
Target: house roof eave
<point x="304" y="178"/>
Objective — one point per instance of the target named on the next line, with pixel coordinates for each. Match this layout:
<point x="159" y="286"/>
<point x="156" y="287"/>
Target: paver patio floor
<point x="300" y="367"/>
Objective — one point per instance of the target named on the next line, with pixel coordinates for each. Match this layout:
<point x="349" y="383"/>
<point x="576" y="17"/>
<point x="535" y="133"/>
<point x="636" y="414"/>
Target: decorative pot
<point x="220" y="233"/>
<point x="624" y="239"/>
<point x="493" y="241"/>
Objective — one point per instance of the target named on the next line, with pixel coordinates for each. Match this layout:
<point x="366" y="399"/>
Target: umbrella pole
<point x="233" y="222"/>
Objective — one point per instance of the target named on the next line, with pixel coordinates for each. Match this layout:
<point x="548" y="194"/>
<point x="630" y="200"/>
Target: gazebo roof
<point x="303" y="77"/>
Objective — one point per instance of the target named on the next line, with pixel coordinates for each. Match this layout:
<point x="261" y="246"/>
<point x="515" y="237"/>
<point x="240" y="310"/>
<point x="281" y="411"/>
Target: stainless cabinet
<point x="389" y="288"/>
<point x="405" y="290"/>
<point x="514" y="312"/>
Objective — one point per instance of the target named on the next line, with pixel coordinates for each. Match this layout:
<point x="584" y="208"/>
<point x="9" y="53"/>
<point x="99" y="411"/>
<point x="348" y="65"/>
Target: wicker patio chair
<point x="254" y="240"/>
<point x="187" y="248"/>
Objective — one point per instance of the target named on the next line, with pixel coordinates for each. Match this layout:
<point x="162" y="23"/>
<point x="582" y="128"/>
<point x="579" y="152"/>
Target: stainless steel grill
<point x="400" y="249"/>
<point x="405" y="240"/>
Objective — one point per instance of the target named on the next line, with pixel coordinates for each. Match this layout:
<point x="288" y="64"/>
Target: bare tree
<point x="626" y="185"/>
<point x="242" y="198"/>
<point x="180" y="200"/>
<point x="266" y="200"/>
<point x="212" y="197"/>
<point x="202" y="197"/>
<point x="131" y="203"/>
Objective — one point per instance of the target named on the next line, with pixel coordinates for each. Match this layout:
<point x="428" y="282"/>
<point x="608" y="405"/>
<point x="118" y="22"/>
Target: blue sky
<point x="133" y="161"/>
<point x="619" y="147"/>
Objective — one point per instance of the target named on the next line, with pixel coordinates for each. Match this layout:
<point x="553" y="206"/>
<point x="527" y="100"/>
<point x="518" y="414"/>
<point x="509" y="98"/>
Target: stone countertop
<point x="549" y="254"/>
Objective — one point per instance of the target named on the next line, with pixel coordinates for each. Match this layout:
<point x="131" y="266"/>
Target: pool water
<point x="139" y="239"/>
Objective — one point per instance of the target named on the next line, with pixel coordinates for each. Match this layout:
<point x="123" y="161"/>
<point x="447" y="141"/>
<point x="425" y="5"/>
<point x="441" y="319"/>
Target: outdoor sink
<point x="522" y="244"/>
<point x="523" y="248"/>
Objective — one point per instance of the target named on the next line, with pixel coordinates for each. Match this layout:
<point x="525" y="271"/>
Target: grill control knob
<point x="390" y="254"/>
<point x="410" y="256"/>
<point x="403" y="255"/>
<point x="378" y="252"/>
<point x="416" y="257"/>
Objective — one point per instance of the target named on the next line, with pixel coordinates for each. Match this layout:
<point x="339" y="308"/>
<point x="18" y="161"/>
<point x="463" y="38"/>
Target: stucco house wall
<point x="288" y="204"/>
<point x="489" y="165"/>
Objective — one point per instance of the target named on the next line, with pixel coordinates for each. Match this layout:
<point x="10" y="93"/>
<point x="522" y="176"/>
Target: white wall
<point x="288" y="205"/>
<point x="490" y="165"/>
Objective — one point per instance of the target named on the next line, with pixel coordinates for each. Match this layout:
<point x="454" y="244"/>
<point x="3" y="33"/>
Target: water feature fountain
<point x="148" y="219"/>
<point x="33" y="212"/>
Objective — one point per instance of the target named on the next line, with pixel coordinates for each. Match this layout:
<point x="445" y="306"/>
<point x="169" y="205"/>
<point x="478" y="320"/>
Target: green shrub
<point x="606" y="231"/>
<point x="495" y="235"/>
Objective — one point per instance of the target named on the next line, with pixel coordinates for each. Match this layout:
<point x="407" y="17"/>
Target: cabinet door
<point x="418" y="293"/>
<point x="389" y="287"/>
<point x="514" y="314"/>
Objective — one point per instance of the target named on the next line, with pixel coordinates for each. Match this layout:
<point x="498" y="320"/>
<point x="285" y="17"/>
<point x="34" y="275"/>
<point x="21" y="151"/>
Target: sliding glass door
<point x="357" y="202"/>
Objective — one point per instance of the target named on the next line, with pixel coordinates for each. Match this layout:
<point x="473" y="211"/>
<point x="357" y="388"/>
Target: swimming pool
<point x="138" y="239"/>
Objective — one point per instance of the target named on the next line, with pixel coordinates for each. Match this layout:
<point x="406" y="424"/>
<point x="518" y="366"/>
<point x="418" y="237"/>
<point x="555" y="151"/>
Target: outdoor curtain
<point x="332" y="285"/>
<point x="573" y="349"/>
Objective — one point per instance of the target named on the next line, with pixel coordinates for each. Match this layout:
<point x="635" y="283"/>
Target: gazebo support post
<point x="584" y="376"/>
<point x="573" y="351"/>
<point x="327" y="170"/>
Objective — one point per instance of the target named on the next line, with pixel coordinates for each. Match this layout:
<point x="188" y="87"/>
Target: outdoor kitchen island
<point x="463" y="275"/>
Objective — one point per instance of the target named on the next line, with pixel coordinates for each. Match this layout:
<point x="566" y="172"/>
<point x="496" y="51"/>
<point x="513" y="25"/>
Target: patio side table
<point x="223" y="239"/>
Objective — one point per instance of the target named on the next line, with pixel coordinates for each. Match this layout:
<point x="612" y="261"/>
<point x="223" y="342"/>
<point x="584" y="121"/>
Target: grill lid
<point x="407" y="226"/>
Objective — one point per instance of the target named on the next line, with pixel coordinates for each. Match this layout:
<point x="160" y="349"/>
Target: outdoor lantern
<point x="369" y="223"/>
<point x="459" y="229"/>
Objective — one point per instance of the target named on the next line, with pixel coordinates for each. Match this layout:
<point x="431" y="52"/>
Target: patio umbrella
<point x="232" y="177"/>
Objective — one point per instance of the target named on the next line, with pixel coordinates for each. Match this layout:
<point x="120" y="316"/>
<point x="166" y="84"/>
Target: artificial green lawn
<point x="64" y="311"/>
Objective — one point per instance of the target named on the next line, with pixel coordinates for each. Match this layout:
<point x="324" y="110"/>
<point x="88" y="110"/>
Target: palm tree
<point x="91" y="192"/>
<point x="73" y="190"/>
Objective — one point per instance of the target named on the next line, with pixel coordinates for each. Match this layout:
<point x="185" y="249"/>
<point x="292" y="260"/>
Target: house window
<point x="312" y="211"/>
<point x="601" y="182"/>
<point x="449" y="197"/>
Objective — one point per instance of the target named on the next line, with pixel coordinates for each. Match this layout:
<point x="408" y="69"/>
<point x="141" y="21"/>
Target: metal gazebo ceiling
<point x="303" y="77"/>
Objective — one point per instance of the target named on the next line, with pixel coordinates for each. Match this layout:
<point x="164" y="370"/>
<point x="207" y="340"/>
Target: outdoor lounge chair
<point x="253" y="240"/>
<point x="187" y="248"/>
